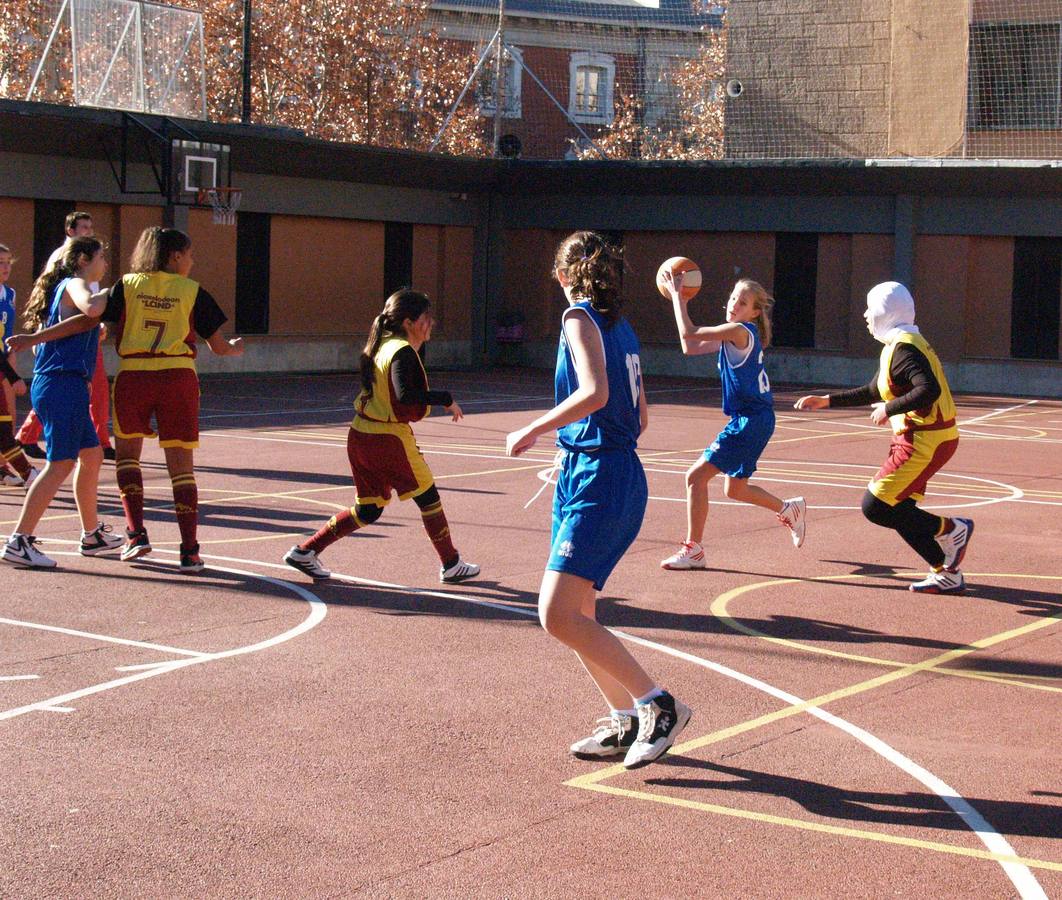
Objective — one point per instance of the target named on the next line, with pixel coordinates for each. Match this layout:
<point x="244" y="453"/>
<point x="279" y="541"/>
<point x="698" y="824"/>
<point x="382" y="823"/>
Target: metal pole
<point x="246" y="118"/>
<point x="499" y="61"/>
<point x="48" y="46"/>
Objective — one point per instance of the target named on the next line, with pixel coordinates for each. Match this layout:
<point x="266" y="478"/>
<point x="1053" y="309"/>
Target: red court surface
<point x="249" y="733"/>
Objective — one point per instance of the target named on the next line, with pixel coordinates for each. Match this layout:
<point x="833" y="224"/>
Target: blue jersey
<point x="746" y="388"/>
<point x="7" y="313"/>
<point x="75" y="354"/>
<point x="617" y="424"/>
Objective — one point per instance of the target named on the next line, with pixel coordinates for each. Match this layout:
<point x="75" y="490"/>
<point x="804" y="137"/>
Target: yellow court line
<point x="805" y="825"/>
<point x="839" y="694"/>
<point x="720" y="611"/>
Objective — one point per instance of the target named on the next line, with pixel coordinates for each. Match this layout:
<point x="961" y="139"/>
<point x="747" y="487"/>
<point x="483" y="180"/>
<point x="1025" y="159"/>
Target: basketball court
<point x="250" y="732"/>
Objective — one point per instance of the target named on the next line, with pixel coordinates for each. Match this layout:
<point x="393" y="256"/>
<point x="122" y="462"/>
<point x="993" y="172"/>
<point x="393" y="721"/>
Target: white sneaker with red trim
<point x="690" y="555"/>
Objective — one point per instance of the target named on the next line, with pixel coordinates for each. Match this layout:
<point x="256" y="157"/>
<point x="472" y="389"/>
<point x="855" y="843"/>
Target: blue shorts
<point x="737" y="449"/>
<point x="597" y="512"/>
<point x="61" y="400"/>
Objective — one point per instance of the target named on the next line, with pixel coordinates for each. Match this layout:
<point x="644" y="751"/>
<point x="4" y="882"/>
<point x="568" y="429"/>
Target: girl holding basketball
<point x="61" y="375"/>
<point x="383" y="452"/>
<point x="600" y="499"/>
<point x="740" y="343"/>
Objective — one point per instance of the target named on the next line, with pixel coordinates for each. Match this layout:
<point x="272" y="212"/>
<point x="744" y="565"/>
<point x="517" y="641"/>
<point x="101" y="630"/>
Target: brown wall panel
<point x="529" y="287"/>
<point x="428" y="265"/>
<point x="132" y="221"/>
<point x="941" y="270"/>
<point x="326" y="276"/>
<point x="990" y="282"/>
<point x="455" y="296"/>
<point x="16" y="232"/>
<point x="833" y="291"/>
<point x="872" y="263"/>
<point x="214" y="251"/>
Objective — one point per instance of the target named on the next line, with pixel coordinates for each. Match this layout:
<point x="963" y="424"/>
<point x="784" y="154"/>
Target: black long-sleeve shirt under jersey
<point x="410" y="384"/>
<point x="915" y="384"/>
<point x="7" y="371"/>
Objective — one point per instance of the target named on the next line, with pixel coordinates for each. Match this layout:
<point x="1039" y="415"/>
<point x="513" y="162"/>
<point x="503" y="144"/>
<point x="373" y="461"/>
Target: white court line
<point x="18" y="677"/>
<point x="997" y="412"/>
<point x="102" y="637"/>
<point x="1020" y="875"/>
<point x="315" y="616"/>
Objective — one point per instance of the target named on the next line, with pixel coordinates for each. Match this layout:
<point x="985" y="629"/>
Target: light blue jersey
<point x="617" y="424"/>
<point x="746" y="388"/>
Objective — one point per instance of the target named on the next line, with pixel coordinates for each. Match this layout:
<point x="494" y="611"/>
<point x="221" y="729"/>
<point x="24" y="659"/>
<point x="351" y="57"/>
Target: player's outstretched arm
<point x="78" y="324"/>
<point x="813" y="401"/>
<point x="222" y="347"/>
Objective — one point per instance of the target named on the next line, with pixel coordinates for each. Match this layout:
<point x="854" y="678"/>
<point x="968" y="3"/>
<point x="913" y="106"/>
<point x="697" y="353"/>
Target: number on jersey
<point x="634" y="375"/>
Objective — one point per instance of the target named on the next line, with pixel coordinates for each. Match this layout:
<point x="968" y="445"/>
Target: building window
<point x="512" y="69"/>
<point x="1015" y="77"/>
<point x="590" y="87"/>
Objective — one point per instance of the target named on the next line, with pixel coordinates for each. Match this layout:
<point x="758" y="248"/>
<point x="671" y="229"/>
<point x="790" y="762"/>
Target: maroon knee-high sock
<point x="131" y="487"/>
<point x="186" y="507"/>
<point x="339" y="526"/>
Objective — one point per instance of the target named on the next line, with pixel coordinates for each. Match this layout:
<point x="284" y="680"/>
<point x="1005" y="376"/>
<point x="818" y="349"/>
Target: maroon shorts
<point x="387" y="461"/>
<point x="170" y="395"/>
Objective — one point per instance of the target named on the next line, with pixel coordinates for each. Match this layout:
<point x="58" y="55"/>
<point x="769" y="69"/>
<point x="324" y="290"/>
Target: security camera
<point x="734" y="88"/>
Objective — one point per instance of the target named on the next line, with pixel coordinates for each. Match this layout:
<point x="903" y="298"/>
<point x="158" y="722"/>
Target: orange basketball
<point x="691" y="276"/>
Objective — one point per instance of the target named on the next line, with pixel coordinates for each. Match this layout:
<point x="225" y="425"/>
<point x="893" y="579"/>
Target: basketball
<point x="691" y="276"/>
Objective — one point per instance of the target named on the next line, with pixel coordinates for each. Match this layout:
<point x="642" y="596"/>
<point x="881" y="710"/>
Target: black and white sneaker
<point x="20" y="551"/>
<point x="660" y="722"/>
<point x="612" y="737"/>
<point x="93" y="543"/>
<point x="306" y="562"/>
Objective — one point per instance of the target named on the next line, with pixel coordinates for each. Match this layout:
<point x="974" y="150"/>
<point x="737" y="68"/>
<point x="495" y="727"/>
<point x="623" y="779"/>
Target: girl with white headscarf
<point x="911" y="393"/>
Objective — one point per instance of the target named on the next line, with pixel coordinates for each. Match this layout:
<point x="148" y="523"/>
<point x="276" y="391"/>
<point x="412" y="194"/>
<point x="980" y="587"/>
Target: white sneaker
<point x="612" y="737"/>
<point x="459" y="571"/>
<point x="793" y="516"/>
<point x="99" y="541"/>
<point x="690" y="555"/>
<point x="10" y="478"/>
<point x="19" y="551"/>
<point x="306" y="562"/>
<point x="944" y="581"/>
<point x="954" y="542"/>
<point x="660" y="722"/>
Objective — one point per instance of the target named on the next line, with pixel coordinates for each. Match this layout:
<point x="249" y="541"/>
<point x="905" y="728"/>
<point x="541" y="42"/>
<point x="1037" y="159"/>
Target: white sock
<point x="650" y="697"/>
<point x="632" y="713"/>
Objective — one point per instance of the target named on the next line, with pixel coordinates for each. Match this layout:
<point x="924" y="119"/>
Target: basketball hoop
<point x="224" y="200"/>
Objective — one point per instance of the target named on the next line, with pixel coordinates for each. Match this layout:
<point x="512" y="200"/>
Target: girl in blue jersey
<point x="60" y="392"/>
<point x="746" y="399"/>
<point x="600" y="499"/>
<point x="14" y="467"/>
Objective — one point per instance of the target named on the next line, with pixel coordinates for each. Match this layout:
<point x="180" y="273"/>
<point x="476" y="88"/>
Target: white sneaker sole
<point x="299" y="567"/>
<point x="683" y="721"/>
<point x="683" y="566"/>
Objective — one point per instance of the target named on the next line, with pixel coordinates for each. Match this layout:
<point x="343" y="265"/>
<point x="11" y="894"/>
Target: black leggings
<point x="914" y="525"/>
<point x="367" y="513"/>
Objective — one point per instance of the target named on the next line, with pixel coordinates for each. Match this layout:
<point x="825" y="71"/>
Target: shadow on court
<point x="909" y="808"/>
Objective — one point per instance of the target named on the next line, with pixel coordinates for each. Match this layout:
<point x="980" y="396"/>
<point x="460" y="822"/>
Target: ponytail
<point x="403" y="304"/>
<point x="155" y="247"/>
